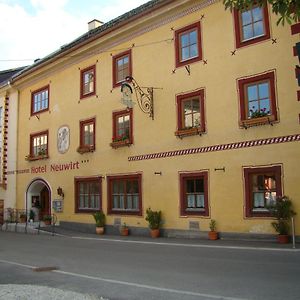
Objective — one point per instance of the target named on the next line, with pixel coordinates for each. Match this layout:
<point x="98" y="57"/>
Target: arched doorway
<point x="38" y="198"/>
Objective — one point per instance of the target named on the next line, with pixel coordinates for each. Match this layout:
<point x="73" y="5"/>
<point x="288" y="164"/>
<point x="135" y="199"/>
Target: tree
<point x="287" y="10"/>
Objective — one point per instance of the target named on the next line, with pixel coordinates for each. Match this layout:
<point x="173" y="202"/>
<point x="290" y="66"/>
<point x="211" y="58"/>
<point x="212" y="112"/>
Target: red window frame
<point x="243" y="97"/>
<point x="116" y="58"/>
<point x="118" y="114"/>
<point x="39" y="91"/>
<point x="77" y="182"/>
<point x="82" y="73"/>
<point x="82" y="124"/>
<point x="238" y="29"/>
<point x="183" y="177"/>
<point x="33" y="136"/>
<point x="124" y="179"/>
<point x="249" y="172"/>
<point x="180" y="99"/>
<point x="178" y="33"/>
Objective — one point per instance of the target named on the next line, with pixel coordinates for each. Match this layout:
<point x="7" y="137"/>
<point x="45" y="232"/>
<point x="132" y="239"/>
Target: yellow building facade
<point x="219" y="139"/>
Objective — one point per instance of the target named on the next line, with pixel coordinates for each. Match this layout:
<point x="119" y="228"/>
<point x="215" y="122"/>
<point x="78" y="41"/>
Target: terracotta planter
<point x="213" y="235"/>
<point x="100" y="230"/>
<point x="124" y="231"/>
<point x="154" y="233"/>
<point x="22" y="219"/>
<point x="283" y="239"/>
<point x="47" y="222"/>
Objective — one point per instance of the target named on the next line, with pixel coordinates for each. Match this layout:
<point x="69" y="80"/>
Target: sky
<point x="32" y="29"/>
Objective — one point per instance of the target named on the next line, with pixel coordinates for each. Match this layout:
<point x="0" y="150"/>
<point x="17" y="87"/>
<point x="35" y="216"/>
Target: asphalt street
<point x="140" y="268"/>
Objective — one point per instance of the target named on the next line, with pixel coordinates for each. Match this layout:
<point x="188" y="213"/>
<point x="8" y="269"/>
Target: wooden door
<point x="1" y="212"/>
<point x="44" y="205"/>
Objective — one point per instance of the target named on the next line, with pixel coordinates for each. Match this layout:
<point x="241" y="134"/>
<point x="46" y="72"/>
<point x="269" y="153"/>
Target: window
<point x="122" y="128"/>
<point x="88" y="82"/>
<point x="122" y="67"/>
<point x="194" y="193"/>
<point x="87" y="135"/>
<point x="188" y="45"/>
<point x="251" y="25"/>
<point x="40" y="100"/>
<point x="257" y="99"/>
<point x="190" y="113"/>
<point x="39" y="145"/>
<point x="88" y="194"/>
<point x="125" y="194"/>
<point x="262" y="186"/>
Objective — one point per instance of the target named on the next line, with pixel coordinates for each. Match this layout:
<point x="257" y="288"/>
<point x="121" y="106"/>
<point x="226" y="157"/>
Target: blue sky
<point x="31" y="29"/>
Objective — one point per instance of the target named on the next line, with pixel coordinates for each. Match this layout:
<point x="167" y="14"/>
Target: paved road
<point x="132" y="268"/>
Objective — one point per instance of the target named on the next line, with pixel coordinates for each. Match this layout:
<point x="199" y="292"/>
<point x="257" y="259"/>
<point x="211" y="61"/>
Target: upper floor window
<point x="262" y="187"/>
<point x="88" y="82"/>
<point x="124" y="194"/>
<point x="38" y="145"/>
<point x="258" y="99"/>
<point x="194" y="193"/>
<point x="40" y="100"/>
<point x="190" y="113"/>
<point x="122" y="67"/>
<point x="188" y="44"/>
<point x="122" y="128"/>
<point x="88" y="194"/>
<point x="251" y="25"/>
<point x="87" y="136"/>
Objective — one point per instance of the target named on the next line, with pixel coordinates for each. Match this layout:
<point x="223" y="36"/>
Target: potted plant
<point x="99" y="217"/>
<point x="213" y="234"/>
<point x="154" y="220"/>
<point x="47" y="219"/>
<point x="124" y="230"/>
<point x="31" y="215"/>
<point x="23" y="217"/>
<point x="282" y="211"/>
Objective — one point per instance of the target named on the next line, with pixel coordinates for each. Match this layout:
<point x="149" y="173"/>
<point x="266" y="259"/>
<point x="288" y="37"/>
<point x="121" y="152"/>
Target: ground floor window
<point x="194" y="193"/>
<point x="87" y="194"/>
<point x="124" y="194"/>
<point x="262" y="187"/>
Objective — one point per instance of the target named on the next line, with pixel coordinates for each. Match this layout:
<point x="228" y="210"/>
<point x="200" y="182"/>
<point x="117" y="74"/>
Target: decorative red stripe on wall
<point x="222" y="147"/>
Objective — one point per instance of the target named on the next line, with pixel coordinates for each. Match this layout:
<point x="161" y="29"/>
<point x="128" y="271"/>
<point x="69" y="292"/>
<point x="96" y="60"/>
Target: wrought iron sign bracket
<point x="144" y="96"/>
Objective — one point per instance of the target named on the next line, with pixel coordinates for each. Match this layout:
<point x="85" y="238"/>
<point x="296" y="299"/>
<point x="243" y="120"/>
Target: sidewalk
<point x="246" y="244"/>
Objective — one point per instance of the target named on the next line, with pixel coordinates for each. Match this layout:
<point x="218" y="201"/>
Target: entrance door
<point x="45" y="205"/>
<point x="1" y="212"/>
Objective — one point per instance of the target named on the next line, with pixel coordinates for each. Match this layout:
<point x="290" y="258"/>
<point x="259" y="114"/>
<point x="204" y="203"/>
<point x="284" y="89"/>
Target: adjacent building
<point x="180" y="106"/>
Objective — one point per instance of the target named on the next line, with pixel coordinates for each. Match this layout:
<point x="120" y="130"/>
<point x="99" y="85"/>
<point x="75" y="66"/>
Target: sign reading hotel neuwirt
<point x="62" y="167"/>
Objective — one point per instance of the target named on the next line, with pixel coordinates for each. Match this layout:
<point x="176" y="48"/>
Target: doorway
<point x="38" y="198"/>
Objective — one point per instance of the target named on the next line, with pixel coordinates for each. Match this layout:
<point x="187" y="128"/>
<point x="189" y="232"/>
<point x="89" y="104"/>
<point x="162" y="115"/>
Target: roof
<point x="7" y="74"/>
<point x="99" y="31"/>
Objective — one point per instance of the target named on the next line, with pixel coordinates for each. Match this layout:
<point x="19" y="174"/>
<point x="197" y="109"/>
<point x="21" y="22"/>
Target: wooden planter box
<point x="257" y="121"/>
<point x="36" y="157"/>
<point x="188" y="131"/>
<point x="118" y="144"/>
<point x="82" y="150"/>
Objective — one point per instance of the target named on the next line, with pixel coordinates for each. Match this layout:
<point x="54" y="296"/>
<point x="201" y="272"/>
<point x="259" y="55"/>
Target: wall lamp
<point x="60" y="192"/>
<point x="144" y="96"/>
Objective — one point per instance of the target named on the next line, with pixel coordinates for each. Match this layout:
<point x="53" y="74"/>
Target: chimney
<point x="94" y="24"/>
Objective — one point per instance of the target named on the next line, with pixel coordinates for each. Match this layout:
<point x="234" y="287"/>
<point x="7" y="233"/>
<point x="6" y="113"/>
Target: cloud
<point x="35" y="31"/>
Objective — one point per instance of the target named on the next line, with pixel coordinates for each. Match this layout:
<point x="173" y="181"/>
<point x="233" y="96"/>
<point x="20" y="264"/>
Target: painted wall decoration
<point x="63" y="139"/>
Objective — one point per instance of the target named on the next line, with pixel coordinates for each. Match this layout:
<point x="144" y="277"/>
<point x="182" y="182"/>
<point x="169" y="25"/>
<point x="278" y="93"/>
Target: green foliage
<point x="282" y="210"/>
<point x="99" y="217"/>
<point x="153" y="218"/>
<point x="47" y="218"/>
<point x="31" y="215"/>
<point x="213" y="225"/>
<point x="287" y="10"/>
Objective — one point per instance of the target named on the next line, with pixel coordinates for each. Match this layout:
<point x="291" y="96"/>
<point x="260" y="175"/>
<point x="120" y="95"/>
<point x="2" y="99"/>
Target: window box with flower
<point x="121" y="142"/>
<point x="258" y="117"/>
